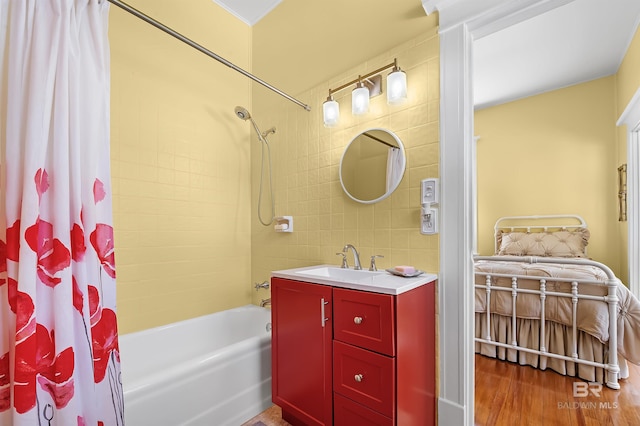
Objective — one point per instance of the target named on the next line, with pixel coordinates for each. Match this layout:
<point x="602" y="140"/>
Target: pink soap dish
<point x="400" y="274"/>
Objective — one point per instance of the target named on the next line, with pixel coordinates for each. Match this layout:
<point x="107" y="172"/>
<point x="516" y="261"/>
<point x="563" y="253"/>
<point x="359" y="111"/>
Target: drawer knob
<point x="357" y="320"/>
<point x="358" y="378"/>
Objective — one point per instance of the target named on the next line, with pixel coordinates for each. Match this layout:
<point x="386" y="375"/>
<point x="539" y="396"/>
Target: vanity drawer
<point x="364" y="319"/>
<point x="349" y="413"/>
<point x="365" y="377"/>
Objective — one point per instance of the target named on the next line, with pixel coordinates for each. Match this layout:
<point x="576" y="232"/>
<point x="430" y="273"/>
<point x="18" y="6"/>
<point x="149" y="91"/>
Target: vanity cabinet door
<point x="302" y="351"/>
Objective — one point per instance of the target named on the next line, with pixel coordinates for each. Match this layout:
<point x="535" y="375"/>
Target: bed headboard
<point x="541" y="235"/>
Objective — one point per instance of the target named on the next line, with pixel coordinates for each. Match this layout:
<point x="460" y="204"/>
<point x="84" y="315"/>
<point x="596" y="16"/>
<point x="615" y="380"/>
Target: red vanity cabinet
<point x="384" y="355"/>
<point x="382" y="358"/>
<point x="301" y="351"/>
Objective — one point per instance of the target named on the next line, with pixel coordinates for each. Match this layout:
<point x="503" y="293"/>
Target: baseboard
<point x="450" y="413"/>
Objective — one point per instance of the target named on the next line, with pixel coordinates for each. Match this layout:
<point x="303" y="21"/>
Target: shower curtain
<point x="394" y="167"/>
<point x="59" y="359"/>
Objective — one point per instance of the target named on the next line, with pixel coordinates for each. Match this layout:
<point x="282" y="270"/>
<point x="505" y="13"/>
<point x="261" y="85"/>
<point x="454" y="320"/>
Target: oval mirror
<point x="372" y="166"/>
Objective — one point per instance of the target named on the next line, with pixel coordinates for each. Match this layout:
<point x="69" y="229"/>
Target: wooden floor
<point x="270" y="417"/>
<point x="508" y="394"/>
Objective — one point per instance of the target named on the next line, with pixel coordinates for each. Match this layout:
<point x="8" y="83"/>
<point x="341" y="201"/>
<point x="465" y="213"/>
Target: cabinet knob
<point x="358" y="378"/>
<point x="357" y="320"/>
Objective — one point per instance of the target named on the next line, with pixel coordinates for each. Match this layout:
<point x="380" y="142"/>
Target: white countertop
<point x="377" y="282"/>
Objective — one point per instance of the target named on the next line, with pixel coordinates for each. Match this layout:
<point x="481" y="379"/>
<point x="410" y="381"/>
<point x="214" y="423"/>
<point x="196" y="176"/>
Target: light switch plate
<point x="430" y="191"/>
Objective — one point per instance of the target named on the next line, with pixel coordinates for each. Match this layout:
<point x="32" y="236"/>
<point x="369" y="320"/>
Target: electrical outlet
<point x="429" y="222"/>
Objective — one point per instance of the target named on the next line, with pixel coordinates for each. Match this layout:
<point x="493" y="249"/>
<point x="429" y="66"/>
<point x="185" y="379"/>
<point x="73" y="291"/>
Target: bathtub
<point x="210" y="370"/>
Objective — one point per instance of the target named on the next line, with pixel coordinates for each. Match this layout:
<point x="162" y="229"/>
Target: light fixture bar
<point x="364" y="77"/>
<point x="367" y="85"/>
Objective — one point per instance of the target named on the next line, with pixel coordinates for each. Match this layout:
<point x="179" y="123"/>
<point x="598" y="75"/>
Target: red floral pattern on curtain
<point x="59" y="354"/>
<point x="37" y="362"/>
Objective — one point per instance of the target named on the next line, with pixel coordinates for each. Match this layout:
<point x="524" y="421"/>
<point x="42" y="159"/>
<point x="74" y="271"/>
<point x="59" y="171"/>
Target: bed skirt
<point x="558" y="340"/>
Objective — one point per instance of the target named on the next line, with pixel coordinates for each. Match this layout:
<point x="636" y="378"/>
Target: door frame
<point x="461" y="22"/>
<point x="631" y="118"/>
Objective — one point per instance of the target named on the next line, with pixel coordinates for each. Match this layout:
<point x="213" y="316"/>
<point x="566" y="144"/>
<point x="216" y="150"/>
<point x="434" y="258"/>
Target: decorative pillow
<point x="571" y="243"/>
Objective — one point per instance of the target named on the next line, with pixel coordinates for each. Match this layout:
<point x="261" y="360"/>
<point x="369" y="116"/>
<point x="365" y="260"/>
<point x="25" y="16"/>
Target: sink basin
<point x="341" y="274"/>
<point x="363" y="279"/>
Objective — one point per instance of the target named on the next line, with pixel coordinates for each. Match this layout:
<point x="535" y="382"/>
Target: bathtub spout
<point x="265" y="302"/>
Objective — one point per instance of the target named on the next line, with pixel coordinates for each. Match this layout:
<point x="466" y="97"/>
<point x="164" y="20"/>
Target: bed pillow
<point x="572" y="243"/>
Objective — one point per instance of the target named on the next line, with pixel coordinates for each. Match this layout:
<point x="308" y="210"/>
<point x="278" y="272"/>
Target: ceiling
<point x="580" y="41"/>
<point x="573" y="43"/>
<point x="249" y="11"/>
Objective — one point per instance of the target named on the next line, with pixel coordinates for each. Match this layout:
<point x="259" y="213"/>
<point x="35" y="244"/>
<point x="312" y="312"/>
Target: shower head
<point x="242" y="113"/>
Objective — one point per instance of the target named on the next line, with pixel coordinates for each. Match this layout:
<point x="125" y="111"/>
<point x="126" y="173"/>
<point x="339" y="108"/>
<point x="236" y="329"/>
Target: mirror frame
<point x="395" y="185"/>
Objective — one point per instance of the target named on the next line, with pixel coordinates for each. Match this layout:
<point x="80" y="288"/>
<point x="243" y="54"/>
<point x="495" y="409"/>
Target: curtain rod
<point x="204" y="50"/>
<point x="379" y="140"/>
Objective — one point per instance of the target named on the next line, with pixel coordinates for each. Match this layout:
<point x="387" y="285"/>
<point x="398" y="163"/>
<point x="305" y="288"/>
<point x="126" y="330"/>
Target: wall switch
<point x="430" y="191"/>
<point x="429" y="220"/>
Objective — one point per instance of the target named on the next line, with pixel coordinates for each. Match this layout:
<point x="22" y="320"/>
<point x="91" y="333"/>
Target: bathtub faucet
<point x="264" y="284"/>
<point x="265" y="302"/>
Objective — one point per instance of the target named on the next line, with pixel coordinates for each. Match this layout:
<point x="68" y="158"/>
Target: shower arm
<point x="204" y="50"/>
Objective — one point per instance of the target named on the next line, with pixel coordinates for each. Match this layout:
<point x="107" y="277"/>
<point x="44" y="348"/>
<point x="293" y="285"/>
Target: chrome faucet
<point x="356" y="256"/>
<point x="264" y="284"/>
<point x="344" y="264"/>
<point x="373" y="266"/>
<point x="265" y="302"/>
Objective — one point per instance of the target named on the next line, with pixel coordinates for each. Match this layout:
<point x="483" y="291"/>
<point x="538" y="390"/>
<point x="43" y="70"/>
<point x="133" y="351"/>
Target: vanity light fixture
<point x="360" y="99"/>
<point x="331" y="112"/>
<point x="396" y="85"/>
<point x="367" y="86"/>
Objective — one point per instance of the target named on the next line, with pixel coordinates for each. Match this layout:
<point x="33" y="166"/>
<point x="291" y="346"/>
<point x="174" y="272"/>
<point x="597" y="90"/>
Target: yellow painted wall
<point x="628" y="76"/>
<point x="627" y="84"/>
<point x="180" y="164"/>
<point x="306" y="159"/>
<point x="553" y="153"/>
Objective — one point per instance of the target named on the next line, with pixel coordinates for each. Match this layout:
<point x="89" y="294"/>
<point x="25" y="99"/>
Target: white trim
<point x="633" y="209"/>
<point x="474" y="192"/>
<point x="431" y="6"/>
<point x="450" y="413"/>
<point x="457" y="226"/>
<point x="631" y="118"/>
<point x="511" y="13"/>
<point x="487" y="16"/>
<point x="631" y="114"/>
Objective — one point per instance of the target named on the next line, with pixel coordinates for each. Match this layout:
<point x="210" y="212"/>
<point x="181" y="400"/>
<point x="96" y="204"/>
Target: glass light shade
<point x="360" y="100"/>
<point x="330" y="113"/>
<point x="396" y="87"/>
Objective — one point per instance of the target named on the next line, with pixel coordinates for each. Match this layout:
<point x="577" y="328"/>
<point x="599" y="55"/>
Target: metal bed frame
<point x="612" y="368"/>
